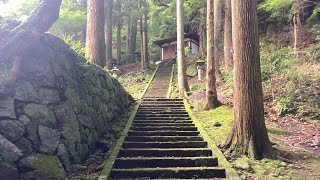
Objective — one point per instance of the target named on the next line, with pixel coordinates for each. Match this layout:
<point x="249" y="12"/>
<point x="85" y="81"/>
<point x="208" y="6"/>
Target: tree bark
<point x="143" y="65"/>
<point x="14" y="43"/>
<point x="227" y="37"/>
<point x="119" y="27"/>
<point x="202" y="31"/>
<point x="133" y="37"/>
<point x="249" y="134"/>
<point x="211" y="92"/>
<point x="95" y="43"/>
<point x="145" y="35"/>
<point x="182" y="76"/>
<point x="128" y="37"/>
<point x="108" y="33"/>
<point x="217" y="29"/>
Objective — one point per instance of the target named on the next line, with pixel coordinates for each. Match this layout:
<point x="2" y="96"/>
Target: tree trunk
<point x="216" y="31"/>
<point x="228" y="37"/>
<point x="296" y="26"/>
<point x="145" y="35"/>
<point x="211" y="92"/>
<point x="108" y="33"/>
<point x="95" y="43"/>
<point x="249" y="134"/>
<point x="202" y="31"/>
<point x="143" y="67"/>
<point x="133" y="37"/>
<point x="182" y="76"/>
<point x="128" y="37"/>
<point x="14" y="43"/>
<point x="119" y="27"/>
<point x="233" y="33"/>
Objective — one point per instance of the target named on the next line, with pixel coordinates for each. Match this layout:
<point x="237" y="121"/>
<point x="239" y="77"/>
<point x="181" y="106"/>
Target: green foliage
<point x="72" y="19"/>
<point x="192" y="70"/>
<point x="279" y="10"/>
<point x="315" y="14"/>
<point x="76" y="45"/>
<point x="18" y="10"/>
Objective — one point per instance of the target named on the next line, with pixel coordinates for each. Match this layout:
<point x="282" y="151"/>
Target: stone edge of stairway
<point x="223" y="162"/>
<point x="108" y="163"/>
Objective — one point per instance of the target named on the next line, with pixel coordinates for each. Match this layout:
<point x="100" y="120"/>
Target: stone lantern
<point x="115" y="72"/>
<point x="200" y="66"/>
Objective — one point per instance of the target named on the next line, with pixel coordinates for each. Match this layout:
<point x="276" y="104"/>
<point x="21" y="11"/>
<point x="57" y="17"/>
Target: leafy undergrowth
<point x="133" y="79"/>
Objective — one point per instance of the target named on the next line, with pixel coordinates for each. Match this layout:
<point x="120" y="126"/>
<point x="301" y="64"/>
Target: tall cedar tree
<point x="108" y="32"/>
<point x="145" y="34"/>
<point x="249" y="134"/>
<point x="119" y="27"/>
<point x="228" y="56"/>
<point x="211" y="92"/>
<point x="182" y="76"/>
<point x="216" y="31"/>
<point x="95" y="43"/>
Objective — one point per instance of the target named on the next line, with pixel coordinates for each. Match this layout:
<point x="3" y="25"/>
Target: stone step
<point x="169" y="173"/>
<point x="160" y="99"/>
<point x="168" y="152"/>
<point x="177" y="144"/>
<point x="162" y="118"/>
<point x="162" y="121"/>
<point x="163" y="124"/>
<point x="161" y="105"/>
<point x="155" y="103"/>
<point x="164" y="128"/>
<point x="156" y="162"/>
<point x="151" y="112"/>
<point x="163" y="133"/>
<point x="162" y="138"/>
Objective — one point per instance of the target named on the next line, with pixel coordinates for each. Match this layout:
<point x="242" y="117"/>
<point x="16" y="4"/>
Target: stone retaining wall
<point x="60" y="107"/>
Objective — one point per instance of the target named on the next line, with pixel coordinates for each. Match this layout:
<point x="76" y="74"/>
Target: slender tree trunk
<point x="233" y="33"/>
<point x="119" y="27"/>
<point x="228" y="37"/>
<point x="296" y="26"/>
<point x="128" y="37"/>
<point x="202" y="31"/>
<point x="211" y="92"/>
<point x="108" y="33"/>
<point x="133" y="37"/>
<point x="249" y="134"/>
<point x="182" y="76"/>
<point x="95" y="43"/>
<point x="145" y="35"/>
<point x="217" y="29"/>
<point x="143" y="67"/>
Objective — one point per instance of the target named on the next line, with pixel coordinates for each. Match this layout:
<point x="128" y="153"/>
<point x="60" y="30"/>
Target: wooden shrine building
<point x="169" y="45"/>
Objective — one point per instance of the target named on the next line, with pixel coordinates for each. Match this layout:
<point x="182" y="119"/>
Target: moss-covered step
<point x="162" y="105"/>
<point x="163" y="133"/>
<point x="163" y="121"/>
<point x="169" y="152"/>
<point x="176" y="144"/>
<point x="162" y="102"/>
<point x="163" y="124"/>
<point x="160" y="99"/>
<point x="162" y="118"/>
<point x="162" y="138"/>
<point x="163" y="112"/>
<point x="161" y="115"/>
<point x="172" y="173"/>
<point x="164" y="128"/>
<point x="156" y="162"/>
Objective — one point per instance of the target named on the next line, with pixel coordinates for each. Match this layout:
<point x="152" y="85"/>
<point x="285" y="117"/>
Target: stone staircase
<point x="163" y="143"/>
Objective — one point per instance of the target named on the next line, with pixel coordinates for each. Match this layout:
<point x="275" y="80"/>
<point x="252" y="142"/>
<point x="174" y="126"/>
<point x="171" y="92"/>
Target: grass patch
<point x="217" y="122"/>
